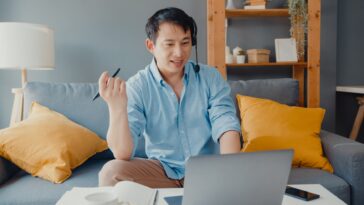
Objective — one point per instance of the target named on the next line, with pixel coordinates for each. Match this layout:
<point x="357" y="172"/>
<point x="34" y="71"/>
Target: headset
<point x="194" y="42"/>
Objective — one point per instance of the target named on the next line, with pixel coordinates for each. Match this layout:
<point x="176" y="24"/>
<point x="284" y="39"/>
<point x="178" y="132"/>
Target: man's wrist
<point x="118" y="114"/>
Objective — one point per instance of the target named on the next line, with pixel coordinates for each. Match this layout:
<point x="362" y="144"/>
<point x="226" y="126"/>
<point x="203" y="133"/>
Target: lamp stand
<point x="23" y="77"/>
<point x="17" y="110"/>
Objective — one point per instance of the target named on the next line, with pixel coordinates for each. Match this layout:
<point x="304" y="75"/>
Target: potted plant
<point x="298" y="16"/>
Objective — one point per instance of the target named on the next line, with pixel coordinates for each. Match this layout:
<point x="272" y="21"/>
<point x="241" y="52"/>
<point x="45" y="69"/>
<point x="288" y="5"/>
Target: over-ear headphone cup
<point x="193" y="40"/>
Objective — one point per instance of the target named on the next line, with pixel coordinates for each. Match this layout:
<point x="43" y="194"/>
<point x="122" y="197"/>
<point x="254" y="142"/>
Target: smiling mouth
<point x="178" y="63"/>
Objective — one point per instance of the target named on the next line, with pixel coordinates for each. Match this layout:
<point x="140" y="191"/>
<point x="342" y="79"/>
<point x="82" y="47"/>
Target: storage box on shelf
<point x="258" y="55"/>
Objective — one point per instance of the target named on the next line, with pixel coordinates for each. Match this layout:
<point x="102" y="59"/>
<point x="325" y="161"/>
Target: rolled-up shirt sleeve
<point x="136" y="116"/>
<point x="222" y="112"/>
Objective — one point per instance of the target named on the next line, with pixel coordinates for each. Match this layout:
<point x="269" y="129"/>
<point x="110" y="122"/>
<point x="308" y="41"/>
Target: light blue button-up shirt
<point x="175" y="130"/>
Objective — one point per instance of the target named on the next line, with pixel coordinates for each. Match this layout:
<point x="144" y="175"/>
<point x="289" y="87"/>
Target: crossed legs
<point x="143" y="171"/>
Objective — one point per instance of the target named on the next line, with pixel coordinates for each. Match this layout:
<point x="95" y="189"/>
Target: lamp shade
<point x="26" y="46"/>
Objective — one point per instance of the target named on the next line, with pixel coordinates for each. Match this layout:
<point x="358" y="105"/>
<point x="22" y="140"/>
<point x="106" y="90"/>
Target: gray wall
<point x="94" y="35"/>
<point x="91" y="36"/>
<point x="328" y="61"/>
<point x="350" y="69"/>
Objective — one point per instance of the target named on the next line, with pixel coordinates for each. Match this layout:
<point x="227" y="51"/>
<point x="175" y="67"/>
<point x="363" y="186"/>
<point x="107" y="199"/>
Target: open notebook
<point x="125" y="191"/>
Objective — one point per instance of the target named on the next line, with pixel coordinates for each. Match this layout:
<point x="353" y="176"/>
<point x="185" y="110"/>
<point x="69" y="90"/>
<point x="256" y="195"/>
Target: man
<point x="178" y="106"/>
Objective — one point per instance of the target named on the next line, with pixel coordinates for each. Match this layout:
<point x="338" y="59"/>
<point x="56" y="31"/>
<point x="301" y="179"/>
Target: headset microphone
<point x="194" y="43"/>
<point x="197" y="66"/>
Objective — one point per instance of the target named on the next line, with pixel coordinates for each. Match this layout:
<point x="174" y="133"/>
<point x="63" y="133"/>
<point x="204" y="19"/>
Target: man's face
<point x="172" y="48"/>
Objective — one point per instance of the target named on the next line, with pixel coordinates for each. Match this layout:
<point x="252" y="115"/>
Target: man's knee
<point x="114" y="171"/>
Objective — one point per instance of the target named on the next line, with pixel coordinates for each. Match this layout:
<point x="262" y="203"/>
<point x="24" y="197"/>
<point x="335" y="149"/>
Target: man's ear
<point x="150" y="45"/>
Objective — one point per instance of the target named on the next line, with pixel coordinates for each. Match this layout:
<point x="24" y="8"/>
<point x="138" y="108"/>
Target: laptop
<point x="255" y="178"/>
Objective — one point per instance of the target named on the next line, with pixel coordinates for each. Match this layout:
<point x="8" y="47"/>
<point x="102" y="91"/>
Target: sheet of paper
<point x="77" y="195"/>
<point x="135" y="193"/>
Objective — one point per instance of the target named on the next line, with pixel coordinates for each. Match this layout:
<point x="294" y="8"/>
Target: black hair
<point x="170" y="15"/>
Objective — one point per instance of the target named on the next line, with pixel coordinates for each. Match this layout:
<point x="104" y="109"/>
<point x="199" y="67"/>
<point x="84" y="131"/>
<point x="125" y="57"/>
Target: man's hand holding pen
<point x="113" y="91"/>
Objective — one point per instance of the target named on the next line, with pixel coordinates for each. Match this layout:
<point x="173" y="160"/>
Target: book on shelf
<point x="286" y="50"/>
<point x="256" y="2"/>
<point x="254" y="7"/>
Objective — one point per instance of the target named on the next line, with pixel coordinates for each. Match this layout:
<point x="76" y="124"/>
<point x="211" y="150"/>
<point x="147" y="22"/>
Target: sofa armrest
<point x="347" y="158"/>
<point x="7" y="169"/>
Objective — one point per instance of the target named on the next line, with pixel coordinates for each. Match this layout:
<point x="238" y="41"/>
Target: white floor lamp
<point x="25" y="46"/>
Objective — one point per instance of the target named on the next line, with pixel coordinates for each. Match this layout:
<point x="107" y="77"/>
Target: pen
<point x="98" y="94"/>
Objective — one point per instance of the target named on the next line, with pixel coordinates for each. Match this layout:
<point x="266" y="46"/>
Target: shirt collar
<point x="157" y="75"/>
<point x="155" y="72"/>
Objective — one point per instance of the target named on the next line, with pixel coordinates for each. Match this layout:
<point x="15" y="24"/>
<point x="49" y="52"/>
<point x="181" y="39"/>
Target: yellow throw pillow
<point x="269" y="125"/>
<point x="48" y="144"/>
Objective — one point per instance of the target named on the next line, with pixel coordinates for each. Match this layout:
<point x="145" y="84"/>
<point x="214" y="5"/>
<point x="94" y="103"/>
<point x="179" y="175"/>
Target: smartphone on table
<point x="301" y="194"/>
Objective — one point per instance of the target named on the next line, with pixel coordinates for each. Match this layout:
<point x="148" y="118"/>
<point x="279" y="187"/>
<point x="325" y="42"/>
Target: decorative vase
<point x="240" y="59"/>
<point x="230" y="4"/>
<point x="229" y="58"/>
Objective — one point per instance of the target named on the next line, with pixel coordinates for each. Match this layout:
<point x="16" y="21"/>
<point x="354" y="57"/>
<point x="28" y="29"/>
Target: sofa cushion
<point x="269" y="125"/>
<point x="333" y="183"/>
<point x="74" y="100"/>
<point x="35" y="191"/>
<point x="48" y="144"/>
<point x="283" y="90"/>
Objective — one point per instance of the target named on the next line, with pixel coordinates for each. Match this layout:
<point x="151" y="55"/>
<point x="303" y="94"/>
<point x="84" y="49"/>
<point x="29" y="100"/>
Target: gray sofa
<point x="74" y="101"/>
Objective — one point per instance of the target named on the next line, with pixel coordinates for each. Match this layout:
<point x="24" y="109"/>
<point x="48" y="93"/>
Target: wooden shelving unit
<point x="272" y="64"/>
<point x="216" y="16"/>
<point x="230" y="13"/>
